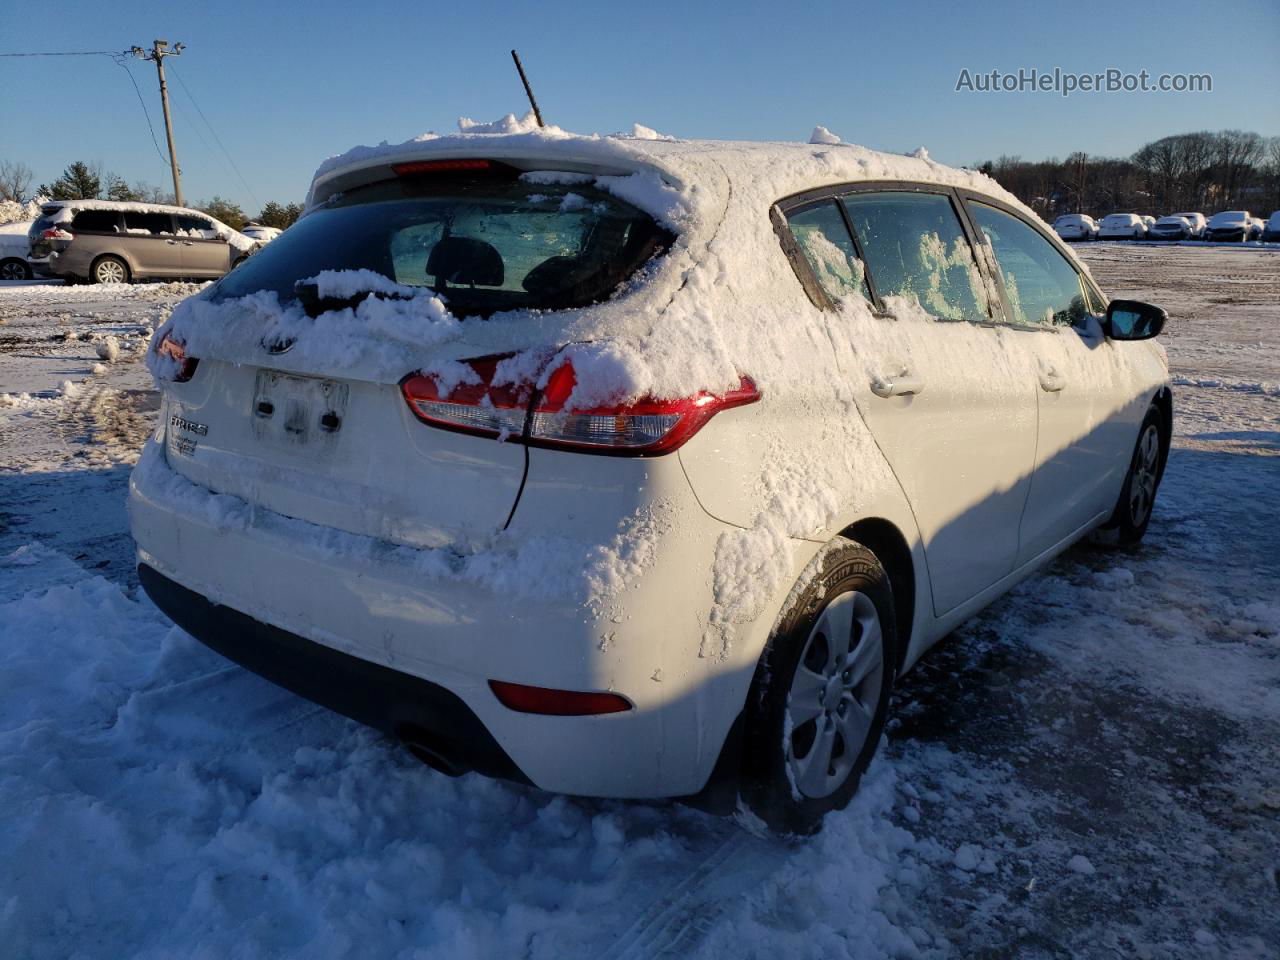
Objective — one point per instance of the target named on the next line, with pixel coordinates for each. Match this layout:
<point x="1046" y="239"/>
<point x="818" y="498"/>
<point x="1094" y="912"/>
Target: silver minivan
<point x="105" y="241"/>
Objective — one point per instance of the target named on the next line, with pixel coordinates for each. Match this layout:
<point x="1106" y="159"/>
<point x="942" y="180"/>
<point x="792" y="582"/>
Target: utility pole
<point x="158" y="52"/>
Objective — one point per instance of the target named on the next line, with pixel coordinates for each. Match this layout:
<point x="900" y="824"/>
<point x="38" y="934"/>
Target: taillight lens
<point x="184" y="366"/>
<point x="55" y="234"/>
<point x="477" y="406"/>
<point x="556" y="703"/>
<point x="646" y="427"/>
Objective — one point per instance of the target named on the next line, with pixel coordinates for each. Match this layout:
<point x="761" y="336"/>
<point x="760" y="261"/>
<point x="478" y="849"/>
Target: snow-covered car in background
<point x="1076" y="226"/>
<point x="1229" y="226"/>
<point x="262" y="234"/>
<point x="1259" y="228"/>
<point x="1172" y="228"/>
<point x="1148" y="221"/>
<point x="1122" y="226"/>
<point x="636" y="468"/>
<point x="13" y="251"/>
<point x="105" y="241"/>
<point x="1271" y="231"/>
<point x="1195" y="220"/>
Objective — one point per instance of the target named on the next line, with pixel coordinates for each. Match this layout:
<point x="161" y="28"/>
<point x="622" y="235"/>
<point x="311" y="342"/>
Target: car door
<point x="205" y="253"/>
<point x="151" y="244"/>
<point x="1082" y="441"/>
<point x="952" y="410"/>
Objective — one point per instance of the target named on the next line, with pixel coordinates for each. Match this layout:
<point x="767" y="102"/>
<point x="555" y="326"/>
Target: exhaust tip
<point x="418" y="743"/>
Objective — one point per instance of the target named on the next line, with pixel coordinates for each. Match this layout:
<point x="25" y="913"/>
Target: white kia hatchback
<point x="636" y="467"/>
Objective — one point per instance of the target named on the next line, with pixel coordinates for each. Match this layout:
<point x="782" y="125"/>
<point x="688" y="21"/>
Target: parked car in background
<point x="537" y="528"/>
<point x="105" y="241"/>
<point x="13" y="251"/>
<point x="1171" y="228"/>
<point x="1259" y="228"/>
<point x="1148" y="220"/>
<point x="260" y="233"/>
<point x="1122" y="226"/>
<point x="1195" y="220"/>
<point x="1076" y="226"/>
<point x="1271" y="232"/>
<point x="1230" y="226"/>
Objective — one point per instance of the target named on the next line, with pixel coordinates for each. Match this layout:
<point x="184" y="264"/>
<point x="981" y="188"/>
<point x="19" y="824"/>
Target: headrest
<point x="465" y="261"/>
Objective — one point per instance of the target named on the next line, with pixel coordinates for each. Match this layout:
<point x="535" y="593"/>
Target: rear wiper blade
<point x="309" y="296"/>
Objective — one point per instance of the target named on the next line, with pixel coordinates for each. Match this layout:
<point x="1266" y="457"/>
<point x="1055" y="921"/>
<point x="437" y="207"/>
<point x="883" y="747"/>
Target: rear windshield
<point x="485" y="245"/>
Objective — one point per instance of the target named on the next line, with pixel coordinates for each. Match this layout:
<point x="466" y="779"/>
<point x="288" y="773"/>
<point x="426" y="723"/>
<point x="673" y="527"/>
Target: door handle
<point x="188" y="243"/>
<point x="1052" y="381"/>
<point x="903" y="385"/>
<point x="171" y="242"/>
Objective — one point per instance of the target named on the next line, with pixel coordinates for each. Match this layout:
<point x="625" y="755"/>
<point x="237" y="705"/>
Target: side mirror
<point x="1133" y="320"/>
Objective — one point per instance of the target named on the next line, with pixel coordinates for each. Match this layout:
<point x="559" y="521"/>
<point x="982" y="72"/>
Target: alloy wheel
<point x="832" y="702"/>
<point x="1142" y="490"/>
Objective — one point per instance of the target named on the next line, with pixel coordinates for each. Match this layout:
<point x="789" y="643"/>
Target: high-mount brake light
<point x="556" y="703"/>
<point x="176" y="351"/>
<point x="442" y="166"/>
<point x="519" y="413"/>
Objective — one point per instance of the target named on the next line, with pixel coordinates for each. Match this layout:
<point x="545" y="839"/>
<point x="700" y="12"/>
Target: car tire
<point x="1132" y="513"/>
<point x="109" y="269"/>
<point x="12" y="268"/>
<point x="814" y="693"/>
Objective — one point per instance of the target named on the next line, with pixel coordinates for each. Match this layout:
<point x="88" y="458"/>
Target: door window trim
<point x="809" y="198"/>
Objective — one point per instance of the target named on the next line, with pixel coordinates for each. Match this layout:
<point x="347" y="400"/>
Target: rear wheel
<point x="14" y="269"/>
<point x="109" y="270"/>
<point x="820" y="696"/>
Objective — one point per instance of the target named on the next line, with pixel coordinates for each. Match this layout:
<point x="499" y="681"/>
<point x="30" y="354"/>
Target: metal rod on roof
<point x="537" y="114"/>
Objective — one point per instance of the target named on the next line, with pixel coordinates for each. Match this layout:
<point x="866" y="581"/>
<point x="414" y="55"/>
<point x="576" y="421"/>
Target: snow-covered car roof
<point x="63" y="211"/>
<point x="1113" y="218"/>
<point x="1230" y="216"/>
<point x="682" y="183"/>
<point x="1074" y="218"/>
<point x="1175" y="218"/>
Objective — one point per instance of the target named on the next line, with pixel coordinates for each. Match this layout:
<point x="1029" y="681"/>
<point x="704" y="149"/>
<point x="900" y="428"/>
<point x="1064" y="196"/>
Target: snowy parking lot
<point x="1091" y="768"/>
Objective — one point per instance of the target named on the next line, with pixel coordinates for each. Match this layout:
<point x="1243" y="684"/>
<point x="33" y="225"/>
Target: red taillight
<point x="646" y="427"/>
<point x="55" y="234"/>
<point x="444" y="166"/>
<point x="176" y="351"/>
<point x="478" y="406"/>
<point x="556" y="703"/>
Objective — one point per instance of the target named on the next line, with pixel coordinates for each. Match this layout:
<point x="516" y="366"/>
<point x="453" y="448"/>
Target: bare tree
<point x="15" y="180"/>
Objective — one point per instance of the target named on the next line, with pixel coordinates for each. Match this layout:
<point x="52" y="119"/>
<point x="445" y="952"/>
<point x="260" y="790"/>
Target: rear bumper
<point x="425" y="715"/>
<point x="424" y="615"/>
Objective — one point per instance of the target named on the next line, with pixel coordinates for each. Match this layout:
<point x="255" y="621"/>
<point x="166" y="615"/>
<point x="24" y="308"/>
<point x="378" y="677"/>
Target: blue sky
<point x="287" y="84"/>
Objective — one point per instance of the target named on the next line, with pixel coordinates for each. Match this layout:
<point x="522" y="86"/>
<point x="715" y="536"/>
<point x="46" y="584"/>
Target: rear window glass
<point x="152" y="224"/>
<point x="96" y="221"/>
<point x="485" y="245"/>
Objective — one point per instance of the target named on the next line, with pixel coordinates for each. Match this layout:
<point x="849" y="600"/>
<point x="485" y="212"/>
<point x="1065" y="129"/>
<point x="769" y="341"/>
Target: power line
<point x="122" y="63"/>
<point x="70" y="53"/>
<point x="182" y="83"/>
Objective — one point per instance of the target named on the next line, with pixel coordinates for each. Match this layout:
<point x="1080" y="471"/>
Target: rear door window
<point x="1041" y="286"/>
<point x="823" y="237"/>
<point x="915" y="249"/>
<point x="96" y="221"/>
<point x="148" y="224"/>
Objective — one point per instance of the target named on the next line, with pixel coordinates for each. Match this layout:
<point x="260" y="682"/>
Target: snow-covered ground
<point x="1089" y="769"/>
